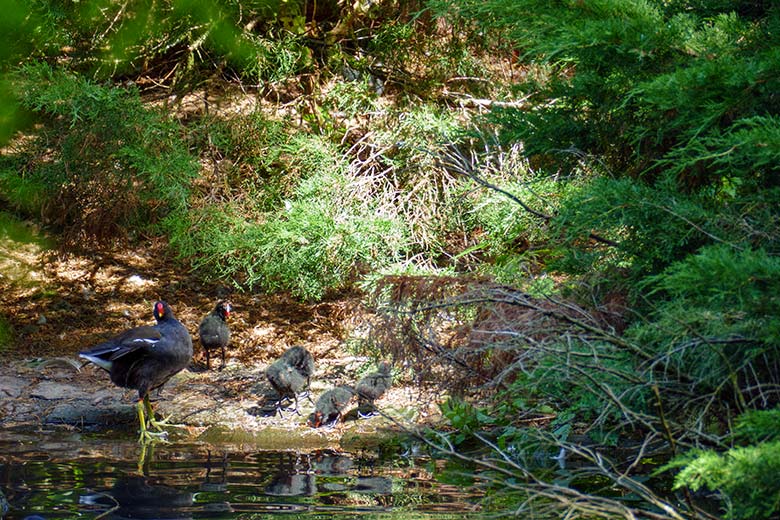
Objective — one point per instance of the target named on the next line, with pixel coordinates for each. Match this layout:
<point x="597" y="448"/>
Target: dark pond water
<point x="59" y="475"/>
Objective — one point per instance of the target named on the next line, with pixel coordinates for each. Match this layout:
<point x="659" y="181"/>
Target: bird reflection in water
<point x="288" y="481"/>
<point x="332" y="465"/>
<point x="215" y="484"/>
<point x="136" y="496"/>
<point x="374" y="485"/>
<point x="211" y="484"/>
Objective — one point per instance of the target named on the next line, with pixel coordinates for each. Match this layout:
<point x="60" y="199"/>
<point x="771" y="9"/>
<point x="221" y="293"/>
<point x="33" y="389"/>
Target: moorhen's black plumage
<point x="145" y="358"/>
<point x="372" y="387"/>
<point x="214" y="332"/>
<point x="290" y="375"/>
<point x="287" y="382"/>
<point x="301" y="359"/>
<point x="331" y="405"/>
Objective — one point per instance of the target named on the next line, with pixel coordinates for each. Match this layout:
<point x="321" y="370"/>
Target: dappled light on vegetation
<point x="555" y="222"/>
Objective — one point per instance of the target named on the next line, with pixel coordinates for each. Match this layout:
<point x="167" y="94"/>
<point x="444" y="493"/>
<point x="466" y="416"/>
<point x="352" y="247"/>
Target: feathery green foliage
<point x="647" y="139"/>
<point x="103" y="165"/>
<point x="747" y="476"/>
<point x="320" y="237"/>
<point x="758" y="426"/>
<point x="721" y="315"/>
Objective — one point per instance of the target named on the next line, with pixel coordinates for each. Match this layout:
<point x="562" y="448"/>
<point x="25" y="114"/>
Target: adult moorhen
<point x="145" y="358"/>
<point x="214" y="332"/>
<point x="372" y="387"/>
<point x="331" y="405"/>
<point x="290" y="375"/>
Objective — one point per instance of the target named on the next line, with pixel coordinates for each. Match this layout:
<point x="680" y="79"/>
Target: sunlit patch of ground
<point x="73" y="302"/>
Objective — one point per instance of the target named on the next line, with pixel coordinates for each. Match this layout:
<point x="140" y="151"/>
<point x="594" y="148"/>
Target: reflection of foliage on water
<point x="89" y="476"/>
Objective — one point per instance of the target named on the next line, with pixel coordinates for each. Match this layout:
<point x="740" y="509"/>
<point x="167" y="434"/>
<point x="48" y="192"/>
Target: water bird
<point x="331" y="405"/>
<point x="145" y="358"/>
<point x="372" y="387"/>
<point x="290" y="375"/>
<point x="301" y="359"/>
<point x="214" y="332"/>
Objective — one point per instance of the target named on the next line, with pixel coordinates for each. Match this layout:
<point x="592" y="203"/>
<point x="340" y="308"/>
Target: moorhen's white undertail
<point x="145" y="358"/>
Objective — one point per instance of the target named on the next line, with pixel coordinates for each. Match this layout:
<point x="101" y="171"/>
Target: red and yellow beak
<point x="316" y="420"/>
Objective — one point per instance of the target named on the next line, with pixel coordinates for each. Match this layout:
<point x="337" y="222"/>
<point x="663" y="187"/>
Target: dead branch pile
<point x="467" y="333"/>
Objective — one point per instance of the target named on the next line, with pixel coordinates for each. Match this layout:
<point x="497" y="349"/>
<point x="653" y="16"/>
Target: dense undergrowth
<point x="565" y="211"/>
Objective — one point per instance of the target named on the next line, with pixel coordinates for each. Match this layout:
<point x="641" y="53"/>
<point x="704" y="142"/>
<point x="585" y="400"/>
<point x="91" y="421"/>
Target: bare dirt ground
<point x="59" y="305"/>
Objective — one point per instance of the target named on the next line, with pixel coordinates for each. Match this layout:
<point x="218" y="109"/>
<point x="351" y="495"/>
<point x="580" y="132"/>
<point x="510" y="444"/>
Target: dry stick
<point x="647" y="421"/>
<point x="670" y="439"/>
<point x="572" y="498"/>
<point x="111" y="25"/>
<point x="626" y="411"/>
<point x="621" y="479"/>
<point x="447" y="354"/>
<point x="567" y="496"/>
<point x="611" y="338"/>
<point x="465" y="169"/>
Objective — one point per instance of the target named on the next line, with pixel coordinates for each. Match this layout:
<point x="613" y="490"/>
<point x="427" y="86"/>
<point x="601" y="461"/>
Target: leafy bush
<point x="720" y="322"/>
<point x="632" y="80"/>
<point x="103" y="165"/>
<point x="272" y="60"/>
<point x="465" y="418"/>
<point x="758" y="426"/>
<point x="319" y="238"/>
<point x="746" y="476"/>
<point x="506" y="240"/>
<point x="651" y="225"/>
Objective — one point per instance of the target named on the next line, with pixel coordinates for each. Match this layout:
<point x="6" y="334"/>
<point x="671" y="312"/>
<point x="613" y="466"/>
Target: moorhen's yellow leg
<point x="154" y="422"/>
<point x="146" y="435"/>
<point x="142" y="458"/>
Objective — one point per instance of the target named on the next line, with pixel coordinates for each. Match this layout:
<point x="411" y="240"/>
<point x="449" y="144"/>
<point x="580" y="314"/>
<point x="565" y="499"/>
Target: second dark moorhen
<point x="214" y="332"/>
<point x="290" y="375"/>
<point x="301" y="359"/>
<point x="145" y="358"/>
<point x="331" y="405"/>
<point x="372" y="387"/>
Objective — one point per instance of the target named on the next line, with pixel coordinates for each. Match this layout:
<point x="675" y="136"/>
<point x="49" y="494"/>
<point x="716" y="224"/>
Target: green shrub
<point x="319" y="238"/>
<point x="721" y="316"/>
<point x="739" y="160"/>
<point x="511" y="243"/>
<point x="272" y="60"/>
<point x="757" y="426"/>
<point x="747" y="477"/>
<point x="103" y="164"/>
<point x="651" y="225"/>
<point x="408" y="181"/>
<point x="632" y="81"/>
